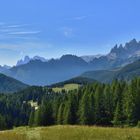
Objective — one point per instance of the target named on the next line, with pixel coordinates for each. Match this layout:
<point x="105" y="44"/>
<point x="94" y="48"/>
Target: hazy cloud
<point x="24" y="32"/>
<point x="17" y="25"/>
<point x="77" y="18"/>
<point x="17" y="31"/>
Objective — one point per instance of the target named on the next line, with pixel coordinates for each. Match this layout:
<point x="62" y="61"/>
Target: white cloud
<point x="17" y="25"/>
<point x="24" y="32"/>
<point x="17" y="32"/>
<point x="77" y="18"/>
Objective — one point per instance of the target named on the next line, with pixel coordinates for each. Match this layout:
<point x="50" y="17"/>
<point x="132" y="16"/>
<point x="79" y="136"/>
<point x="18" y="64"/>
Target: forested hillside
<point x="115" y="104"/>
<point x="127" y="73"/>
<point x="9" y="85"/>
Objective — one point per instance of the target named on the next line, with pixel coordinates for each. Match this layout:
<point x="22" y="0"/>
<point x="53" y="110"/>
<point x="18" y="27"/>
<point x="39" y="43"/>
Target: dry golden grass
<point x="71" y="133"/>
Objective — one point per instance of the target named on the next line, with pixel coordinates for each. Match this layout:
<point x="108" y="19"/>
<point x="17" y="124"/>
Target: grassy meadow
<point x="71" y="133"/>
<point x="66" y="87"/>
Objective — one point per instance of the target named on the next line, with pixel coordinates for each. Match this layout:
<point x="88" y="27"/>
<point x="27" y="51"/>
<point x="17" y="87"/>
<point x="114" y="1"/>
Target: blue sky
<point x="51" y="28"/>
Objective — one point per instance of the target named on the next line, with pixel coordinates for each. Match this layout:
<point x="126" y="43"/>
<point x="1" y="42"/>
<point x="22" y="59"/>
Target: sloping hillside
<point x="127" y="72"/>
<point x="8" y="84"/>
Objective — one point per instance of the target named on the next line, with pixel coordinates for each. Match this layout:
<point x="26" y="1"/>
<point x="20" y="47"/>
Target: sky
<point x="51" y="28"/>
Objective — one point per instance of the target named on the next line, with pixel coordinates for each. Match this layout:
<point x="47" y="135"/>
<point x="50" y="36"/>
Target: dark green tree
<point x="60" y="117"/>
<point x="100" y="110"/>
<point x="32" y="117"/>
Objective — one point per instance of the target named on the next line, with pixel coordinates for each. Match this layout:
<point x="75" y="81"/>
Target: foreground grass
<point x="71" y="133"/>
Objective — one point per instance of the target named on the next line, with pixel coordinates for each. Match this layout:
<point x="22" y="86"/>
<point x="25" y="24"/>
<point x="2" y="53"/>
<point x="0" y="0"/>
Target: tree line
<point x="115" y="104"/>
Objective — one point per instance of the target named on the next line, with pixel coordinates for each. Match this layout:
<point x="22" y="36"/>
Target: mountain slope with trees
<point x="9" y="85"/>
<point x="127" y="72"/>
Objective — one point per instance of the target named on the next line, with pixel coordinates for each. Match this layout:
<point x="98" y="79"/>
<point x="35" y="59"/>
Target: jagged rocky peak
<point x="23" y="61"/>
<point x="133" y="45"/>
<point x="117" y="48"/>
<point x="114" y="48"/>
<point x="27" y="59"/>
<point x="130" y="47"/>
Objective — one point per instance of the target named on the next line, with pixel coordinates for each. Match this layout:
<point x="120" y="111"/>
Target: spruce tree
<point x="2" y="123"/>
<point x="108" y="103"/>
<point x="70" y="111"/>
<point x="60" y="117"/>
<point x="31" y="119"/>
<point x="86" y="109"/>
<point x="100" y="113"/>
<point x="118" y="115"/>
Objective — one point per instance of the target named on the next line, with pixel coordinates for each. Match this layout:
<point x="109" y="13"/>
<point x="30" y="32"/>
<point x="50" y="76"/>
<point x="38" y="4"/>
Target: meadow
<point x="71" y="133"/>
<point x="66" y="87"/>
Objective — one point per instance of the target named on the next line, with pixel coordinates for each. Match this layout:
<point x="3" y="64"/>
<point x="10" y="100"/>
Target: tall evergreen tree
<point x="100" y="112"/>
<point x="70" y="111"/>
<point x="32" y="117"/>
<point x="2" y="123"/>
<point x="108" y="103"/>
<point x="60" y="117"/>
<point x="118" y="115"/>
<point x="86" y="109"/>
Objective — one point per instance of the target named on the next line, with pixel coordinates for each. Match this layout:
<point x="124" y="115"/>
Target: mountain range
<point x="40" y="71"/>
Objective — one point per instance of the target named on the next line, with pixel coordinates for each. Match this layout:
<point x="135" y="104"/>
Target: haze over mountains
<point x="127" y="72"/>
<point x="39" y="71"/>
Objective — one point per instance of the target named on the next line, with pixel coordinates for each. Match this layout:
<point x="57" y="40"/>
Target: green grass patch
<point x="66" y="87"/>
<point x="71" y="133"/>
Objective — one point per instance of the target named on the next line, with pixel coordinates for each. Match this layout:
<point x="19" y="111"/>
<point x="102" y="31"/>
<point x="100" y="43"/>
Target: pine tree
<point x="117" y="94"/>
<point x="70" y="111"/>
<point x="100" y="113"/>
<point x="2" y="123"/>
<point x="86" y="109"/>
<point x="31" y="119"/>
<point x="37" y="118"/>
<point x="118" y="115"/>
<point x="91" y="109"/>
<point x="108" y="103"/>
<point x="60" y="117"/>
<point x="133" y="103"/>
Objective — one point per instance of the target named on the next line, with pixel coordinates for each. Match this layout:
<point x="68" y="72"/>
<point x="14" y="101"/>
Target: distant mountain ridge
<point x="89" y="58"/>
<point x="127" y="72"/>
<point x="37" y="72"/>
<point x="41" y="72"/>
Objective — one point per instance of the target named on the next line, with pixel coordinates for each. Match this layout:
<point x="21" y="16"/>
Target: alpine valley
<point x="41" y="71"/>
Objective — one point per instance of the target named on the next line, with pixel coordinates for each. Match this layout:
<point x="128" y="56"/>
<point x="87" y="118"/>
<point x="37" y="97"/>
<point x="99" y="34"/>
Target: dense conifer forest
<point x="115" y="104"/>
